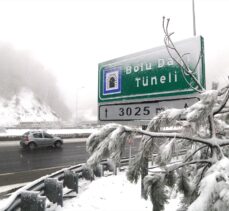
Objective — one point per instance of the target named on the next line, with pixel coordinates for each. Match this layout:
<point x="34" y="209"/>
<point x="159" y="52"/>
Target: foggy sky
<point x="70" y="37"/>
<point x="19" y="70"/>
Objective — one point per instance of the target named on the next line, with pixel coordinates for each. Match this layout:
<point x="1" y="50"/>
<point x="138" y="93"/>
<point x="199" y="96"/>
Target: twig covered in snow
<point x="224" y="101"/>
<point x="184" y="67"/>
<point x="199" y="135"/>
<point x="109" y="142"/>
<point x="180" y="165"/>
<point x="95" y="138"/>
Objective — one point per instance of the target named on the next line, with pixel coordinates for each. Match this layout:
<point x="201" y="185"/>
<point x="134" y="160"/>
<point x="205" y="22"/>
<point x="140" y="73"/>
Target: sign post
<point x="138" y="86"/>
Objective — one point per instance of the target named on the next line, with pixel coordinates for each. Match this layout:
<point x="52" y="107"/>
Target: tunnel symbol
<point x="112" y="81"/>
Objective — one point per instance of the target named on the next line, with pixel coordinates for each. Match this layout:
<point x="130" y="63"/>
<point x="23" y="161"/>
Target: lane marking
<point x="34" y="170"/>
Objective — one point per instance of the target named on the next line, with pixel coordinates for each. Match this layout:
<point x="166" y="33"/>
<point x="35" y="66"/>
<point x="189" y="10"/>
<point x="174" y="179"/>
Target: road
<point x="18" y="165"/>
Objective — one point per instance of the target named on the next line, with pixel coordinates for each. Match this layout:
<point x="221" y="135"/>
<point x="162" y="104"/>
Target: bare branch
<point x="176" y="166"/>
<point x="202" y="174"/>
<point x="212" y="126"/>
<point x="184" y="67"/>
<point x="223" y="111"/>
<point x="223" y="90"/>
<point x="194" y="153"/>
<point x="196" y="89"/>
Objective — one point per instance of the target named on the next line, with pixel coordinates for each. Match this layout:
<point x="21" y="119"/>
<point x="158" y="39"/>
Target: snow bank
<point x="113" y="193"/>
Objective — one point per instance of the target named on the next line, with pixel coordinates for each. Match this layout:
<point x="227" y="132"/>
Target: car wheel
<point x="32" y="146"/>
<point x="58" y="144"/>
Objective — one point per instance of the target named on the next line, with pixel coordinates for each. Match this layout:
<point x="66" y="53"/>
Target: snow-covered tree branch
<point x="178" y="58"/>
<point x="202" y="174"/>
<point x="203" y="151"/>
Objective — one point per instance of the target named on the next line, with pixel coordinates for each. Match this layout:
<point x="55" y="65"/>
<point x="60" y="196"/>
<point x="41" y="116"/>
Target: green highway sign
<point x="150" y="76"/>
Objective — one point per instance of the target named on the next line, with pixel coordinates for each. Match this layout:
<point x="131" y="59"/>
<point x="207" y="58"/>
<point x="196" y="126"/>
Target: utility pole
<point x="194" y="18"/>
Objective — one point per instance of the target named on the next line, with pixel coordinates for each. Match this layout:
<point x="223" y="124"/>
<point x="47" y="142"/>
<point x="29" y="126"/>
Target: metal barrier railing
<point x="14" y="201"/>
<point x="64" y="136"/>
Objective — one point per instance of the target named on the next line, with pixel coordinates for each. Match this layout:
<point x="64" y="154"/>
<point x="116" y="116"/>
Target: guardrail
<point x="65" y="136"/>
<point x="15" y="199"/>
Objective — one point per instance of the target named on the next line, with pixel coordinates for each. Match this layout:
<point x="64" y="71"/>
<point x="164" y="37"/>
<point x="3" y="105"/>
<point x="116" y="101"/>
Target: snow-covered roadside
<point x="10" y="187"/>
<point x="4" y="190"/>
<point x="18" y="132"/>
<point x="110" y="193"/>
<point x="113" y="193"/>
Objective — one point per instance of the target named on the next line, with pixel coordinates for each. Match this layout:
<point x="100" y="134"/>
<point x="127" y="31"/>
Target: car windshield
<point x="46" y="135"/>
<point x="37" y="135"/>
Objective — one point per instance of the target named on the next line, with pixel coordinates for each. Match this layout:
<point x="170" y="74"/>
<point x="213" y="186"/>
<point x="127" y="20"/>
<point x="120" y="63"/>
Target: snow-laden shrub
<point x="166" y="151"/>
<point x="165" y="119"/>
<point x="202" y="173"/>
<point x="155" y="189"/>
<point x="108" y="142"/>
<point x="95" y="138"/>
<point x="214" y="189"/>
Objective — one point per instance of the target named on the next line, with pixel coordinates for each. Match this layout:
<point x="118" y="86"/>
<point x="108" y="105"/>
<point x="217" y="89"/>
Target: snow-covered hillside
<point x="24" y="107"/>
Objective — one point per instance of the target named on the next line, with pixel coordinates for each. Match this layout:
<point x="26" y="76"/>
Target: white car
<point x="34" y="139"/>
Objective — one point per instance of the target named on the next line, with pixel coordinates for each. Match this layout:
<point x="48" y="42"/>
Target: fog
<point x="18" y="70"/>
<point x="70" y="38"/>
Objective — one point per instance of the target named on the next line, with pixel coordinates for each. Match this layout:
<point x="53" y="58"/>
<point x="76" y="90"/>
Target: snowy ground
<point x="113" y="193"/>
<point x="108" y="193"/>
<point x="103" y="194"/>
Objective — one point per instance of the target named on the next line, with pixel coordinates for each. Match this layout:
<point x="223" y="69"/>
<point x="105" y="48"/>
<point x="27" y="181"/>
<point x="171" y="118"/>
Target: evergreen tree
<point x="202" y="175"/>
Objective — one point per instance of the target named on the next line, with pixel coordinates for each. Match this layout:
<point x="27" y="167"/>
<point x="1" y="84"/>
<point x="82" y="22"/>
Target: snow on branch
<point x="180" y="165"/>
<point x="155" y="188"/>
<point x="166" y="151"/>
<point x="117" y="143"/>
<point x="198" y="135"/>
<point x="224" y="101"/>
<point x="111" y="139"/>
<point x="97" y="137"/>
<point x="203" y="108"/>
<point x="165" y="119"/>
<point x="214" y="189"/>
<point x="212" y="143"/>
<point x="181" y="63"/>
<point x="109" y="142"/>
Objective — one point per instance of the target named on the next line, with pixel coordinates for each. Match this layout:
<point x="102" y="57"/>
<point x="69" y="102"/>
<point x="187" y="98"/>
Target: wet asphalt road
<point x="15" y="159"/>
<point x="18" y="165"/>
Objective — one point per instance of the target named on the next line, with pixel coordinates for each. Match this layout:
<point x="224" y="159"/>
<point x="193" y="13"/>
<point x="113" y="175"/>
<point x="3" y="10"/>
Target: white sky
<point x="71" y="37"/>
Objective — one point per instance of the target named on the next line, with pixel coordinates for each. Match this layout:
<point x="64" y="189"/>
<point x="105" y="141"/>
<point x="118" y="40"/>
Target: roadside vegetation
<point x="202" y="175"/>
